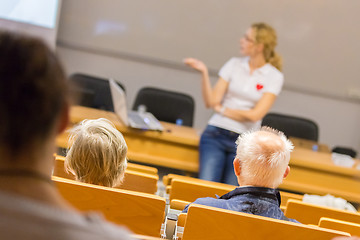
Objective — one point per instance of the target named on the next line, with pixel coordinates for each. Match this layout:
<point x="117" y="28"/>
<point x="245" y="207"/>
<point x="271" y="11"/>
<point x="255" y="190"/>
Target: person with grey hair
<point x="97" y="153"/>
<point x="261" y="163"/>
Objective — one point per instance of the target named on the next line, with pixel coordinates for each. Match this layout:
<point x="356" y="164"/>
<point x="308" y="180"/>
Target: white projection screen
<point x="33" y="17"/>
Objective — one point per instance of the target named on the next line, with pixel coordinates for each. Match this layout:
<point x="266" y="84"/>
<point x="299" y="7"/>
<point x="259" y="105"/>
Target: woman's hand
<point x="256" y="113"/>
<point x="196" y="64"/>
<point x="211" y="96"/>
<point x="220" y="109"/>
<point x="217" y="108"/>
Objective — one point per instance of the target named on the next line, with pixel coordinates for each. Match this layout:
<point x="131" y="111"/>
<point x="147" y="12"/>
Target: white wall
<point x="319" y="39"/>
<point x="338" y="119"/>
<point x="141" y="43"/>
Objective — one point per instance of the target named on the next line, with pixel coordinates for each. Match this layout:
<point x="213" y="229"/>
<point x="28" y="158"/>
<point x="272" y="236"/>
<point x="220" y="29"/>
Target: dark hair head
<point x="33" y="91"/>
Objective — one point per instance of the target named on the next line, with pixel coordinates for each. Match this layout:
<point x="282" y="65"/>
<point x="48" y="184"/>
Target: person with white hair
<point x="261" y="163"/>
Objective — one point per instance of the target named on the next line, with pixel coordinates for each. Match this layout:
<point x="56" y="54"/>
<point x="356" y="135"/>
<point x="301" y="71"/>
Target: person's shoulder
<point x="207" y="201"/>
<point x="239" y="60"/>
<point x="274" y="73"/>
<point x="211" y="202"/>
<point x="236" y="62"/>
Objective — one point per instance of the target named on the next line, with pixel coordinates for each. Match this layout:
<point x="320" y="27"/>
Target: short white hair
<point x="263" y="156"/>
<point x="97" y="154"/>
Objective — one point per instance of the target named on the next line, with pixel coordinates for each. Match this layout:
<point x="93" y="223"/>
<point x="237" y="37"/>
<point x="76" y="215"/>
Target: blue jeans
<point x="217" y="152"/>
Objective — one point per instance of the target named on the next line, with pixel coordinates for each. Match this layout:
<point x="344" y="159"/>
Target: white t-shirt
<point x="245" y="90"/>
<point x="25" y="219"/>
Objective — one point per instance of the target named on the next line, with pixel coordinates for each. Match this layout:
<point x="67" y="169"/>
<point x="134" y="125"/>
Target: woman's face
<point x="248" y="43"/>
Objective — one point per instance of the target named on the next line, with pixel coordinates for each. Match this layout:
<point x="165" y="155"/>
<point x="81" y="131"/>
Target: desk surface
<point x="172" y="132"/>
<point x="177" y="147"/>
<point x="315" y="173"/>
<point x="321" y="161"/>
<point x="308" y="144"/>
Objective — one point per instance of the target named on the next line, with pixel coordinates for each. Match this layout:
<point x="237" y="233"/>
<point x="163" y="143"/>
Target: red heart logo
<point x="259" y="87"/>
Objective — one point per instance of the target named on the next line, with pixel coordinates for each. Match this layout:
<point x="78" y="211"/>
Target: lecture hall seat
<point x="308" y="213"/>
<point x="142" y="213"/>
<point x="167" y="106"/>
<point x="203" y="222"/>
<point x="137" y="177"/>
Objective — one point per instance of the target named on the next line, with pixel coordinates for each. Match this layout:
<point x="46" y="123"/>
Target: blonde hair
<point x="97" y="154"/>
<point x="266" y="35"/>
<point x="263" y="157"/>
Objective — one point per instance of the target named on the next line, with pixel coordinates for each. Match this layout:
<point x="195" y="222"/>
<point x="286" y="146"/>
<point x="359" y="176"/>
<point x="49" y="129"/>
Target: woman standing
<point x="246" y="90"/>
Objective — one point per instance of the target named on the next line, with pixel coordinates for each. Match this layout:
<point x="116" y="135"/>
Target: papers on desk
<point x="329" y="201"/>
<point x="342" y="160"/>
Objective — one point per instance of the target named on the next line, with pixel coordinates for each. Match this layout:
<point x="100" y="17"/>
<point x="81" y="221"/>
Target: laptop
<point x="135" y="119"/>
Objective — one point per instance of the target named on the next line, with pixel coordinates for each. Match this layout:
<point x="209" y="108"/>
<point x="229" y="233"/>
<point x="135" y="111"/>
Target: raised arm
<point x="212" y="95"/>
<point x="255" y="114"/>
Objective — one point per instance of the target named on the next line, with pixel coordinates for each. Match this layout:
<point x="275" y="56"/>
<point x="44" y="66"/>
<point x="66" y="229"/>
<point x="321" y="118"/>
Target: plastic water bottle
<point x="141" y="108"/>
<point x="179" y="121"/>
<point x="315" y="147"/>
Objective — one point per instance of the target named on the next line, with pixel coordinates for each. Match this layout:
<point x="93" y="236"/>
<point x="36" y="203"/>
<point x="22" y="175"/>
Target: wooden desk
<point x="308" y="144"/>
<point x="176" y="147"/>
<point x="315" y="173"/>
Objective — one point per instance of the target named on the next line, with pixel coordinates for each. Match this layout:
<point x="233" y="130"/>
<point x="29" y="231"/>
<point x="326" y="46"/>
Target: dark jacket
<point x="254" y="200"/>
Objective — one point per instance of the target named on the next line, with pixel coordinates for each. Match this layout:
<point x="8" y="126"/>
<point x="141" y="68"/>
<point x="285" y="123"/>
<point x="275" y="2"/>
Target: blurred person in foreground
<point x="34" y="109"/>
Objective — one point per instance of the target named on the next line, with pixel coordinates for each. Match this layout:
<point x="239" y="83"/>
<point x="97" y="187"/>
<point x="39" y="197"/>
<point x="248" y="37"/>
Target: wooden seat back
<point x="143" y="237"/>
<point x="177" y="204"/>
<point x="169" y="177"/>
<point x="286" y="196"/>
<point x="133" y="179"/>
<point x="138" y="181"/>
<point x="130" y="166"/>
<point x="352" y="228"/>
<point x="189" y="189"/>
<point x="142" y="168"/>
<point x="59" y="169"/>
<point x="310" y="213"/>
<point x="203" y="222"/>
<point x="142" y="213"/>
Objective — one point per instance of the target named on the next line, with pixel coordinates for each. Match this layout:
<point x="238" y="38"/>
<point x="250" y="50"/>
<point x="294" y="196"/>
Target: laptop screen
<point x="119" y="102"/>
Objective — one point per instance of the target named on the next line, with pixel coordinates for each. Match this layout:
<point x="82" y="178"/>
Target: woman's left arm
<point x="255" y="114"/>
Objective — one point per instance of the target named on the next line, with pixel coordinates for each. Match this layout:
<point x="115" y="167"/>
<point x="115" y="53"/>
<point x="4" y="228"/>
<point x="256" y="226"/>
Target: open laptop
<point x="134" y="119"/>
